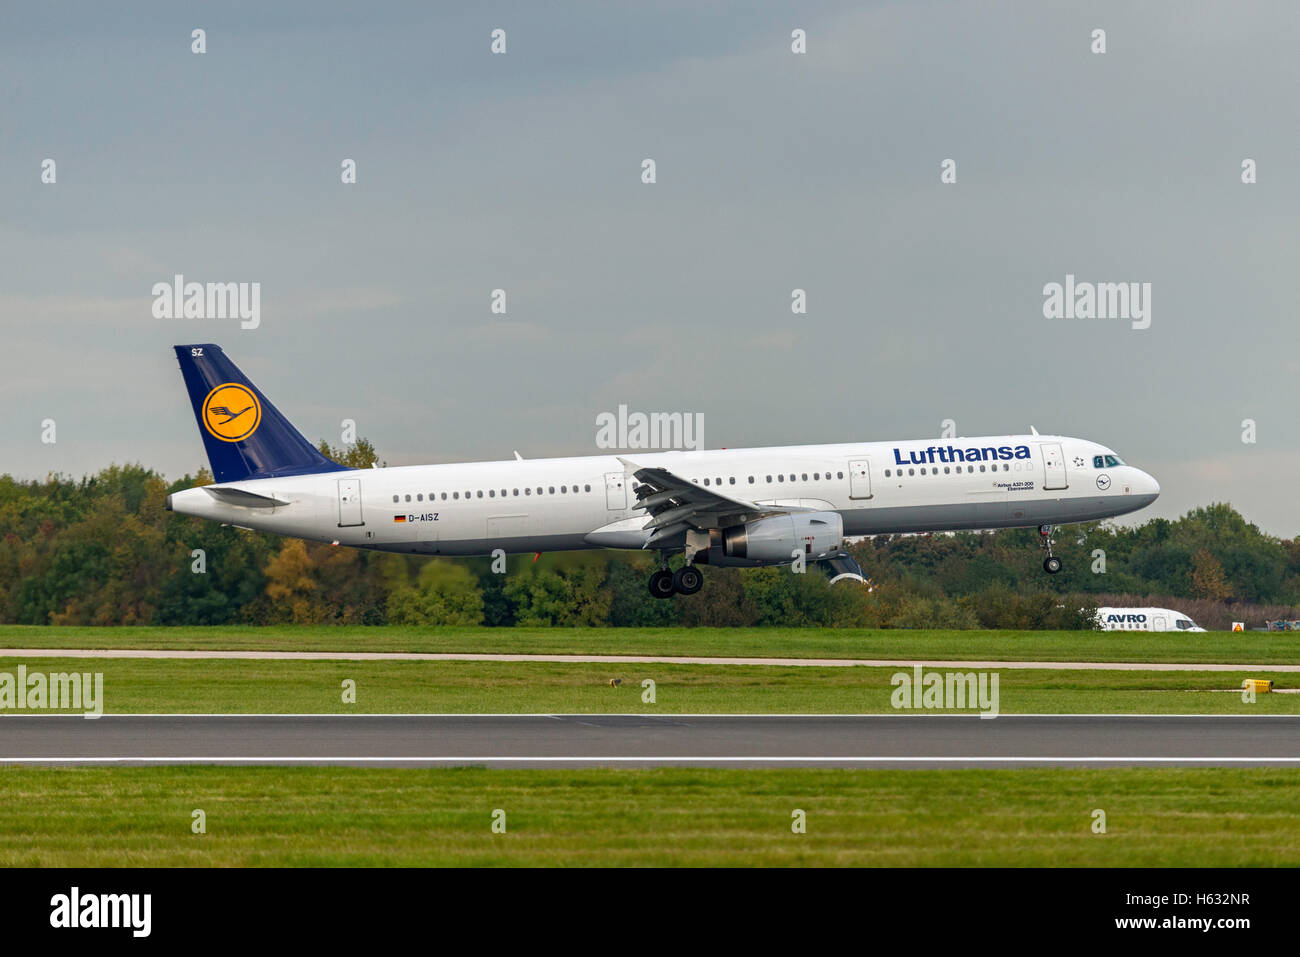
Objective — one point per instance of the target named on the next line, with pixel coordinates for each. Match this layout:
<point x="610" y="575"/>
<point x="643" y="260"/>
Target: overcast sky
<point x="775" y="171"/>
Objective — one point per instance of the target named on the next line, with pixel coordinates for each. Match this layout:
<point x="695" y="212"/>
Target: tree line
<point x="104" y="551"/>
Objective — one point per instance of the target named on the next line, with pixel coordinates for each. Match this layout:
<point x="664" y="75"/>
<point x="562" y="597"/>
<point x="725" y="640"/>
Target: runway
<point x="894" y="740"/>
<point x="184" y="654"/>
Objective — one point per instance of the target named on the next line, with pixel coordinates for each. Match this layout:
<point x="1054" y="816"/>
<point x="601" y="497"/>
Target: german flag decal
<point x="399" y="518"/>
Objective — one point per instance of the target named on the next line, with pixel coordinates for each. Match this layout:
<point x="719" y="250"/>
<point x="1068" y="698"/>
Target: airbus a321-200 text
<point x="727" y="507"/>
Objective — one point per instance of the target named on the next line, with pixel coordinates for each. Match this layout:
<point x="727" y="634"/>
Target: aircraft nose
<point x="1146" y="487"/>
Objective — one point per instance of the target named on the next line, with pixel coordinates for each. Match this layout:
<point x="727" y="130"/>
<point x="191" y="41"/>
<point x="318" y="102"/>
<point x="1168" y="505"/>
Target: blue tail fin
<point x="244" y="434"/>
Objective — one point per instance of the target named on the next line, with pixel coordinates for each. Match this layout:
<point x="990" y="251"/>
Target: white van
<point x="1144" y="619"/>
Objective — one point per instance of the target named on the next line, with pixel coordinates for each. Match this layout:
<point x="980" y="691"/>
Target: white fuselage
<point x="585" y="502"/>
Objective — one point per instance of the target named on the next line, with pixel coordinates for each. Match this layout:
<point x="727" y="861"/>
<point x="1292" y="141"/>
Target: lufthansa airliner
<point x="737" y="507"/>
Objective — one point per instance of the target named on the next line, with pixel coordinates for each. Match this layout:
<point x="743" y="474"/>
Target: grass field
<point x="164" y="686"/>
<point x="674" y="816"/>
<point x="1241" y="647"/>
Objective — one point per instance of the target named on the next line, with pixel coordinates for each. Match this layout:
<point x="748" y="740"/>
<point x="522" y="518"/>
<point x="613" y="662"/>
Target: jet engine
<point x="774" y="540"/>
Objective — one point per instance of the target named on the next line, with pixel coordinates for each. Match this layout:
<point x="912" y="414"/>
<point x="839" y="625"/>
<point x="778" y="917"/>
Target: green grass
<point x="673" y="816"/>
<point x="1242" y="647"/>
<point x="224" y="686"/>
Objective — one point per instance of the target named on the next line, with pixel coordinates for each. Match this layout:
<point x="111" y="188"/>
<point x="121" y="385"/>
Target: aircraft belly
<point x="1001" y="513"/>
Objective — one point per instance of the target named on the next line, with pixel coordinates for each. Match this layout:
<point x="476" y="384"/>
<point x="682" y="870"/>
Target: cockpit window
<point x="1098" y="461"/>
<point x="1185" y="623"/>
<point x="1112" y="461"/>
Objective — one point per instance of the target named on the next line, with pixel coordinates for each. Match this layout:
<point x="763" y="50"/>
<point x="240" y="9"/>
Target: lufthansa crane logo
<point x="231" y="412"/>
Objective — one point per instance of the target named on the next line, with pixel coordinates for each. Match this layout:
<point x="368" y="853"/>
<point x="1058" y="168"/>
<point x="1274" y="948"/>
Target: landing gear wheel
<point x="661" y="584"/>
<point x="688" y="580"/>
<point x="1051" y="564"/>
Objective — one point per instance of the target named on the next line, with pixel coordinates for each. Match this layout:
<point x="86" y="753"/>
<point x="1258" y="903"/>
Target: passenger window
<point x="528" y="491"/>
<point x="839" y="475"/>
<point x="587" y="488"/>
<point x="397" y="498"/>
<point x="564" y="489"/>
<point x="455" y="495"/>
<point x="479" y="494"/>
<point x="805" y="476"/>
<point x="731" y="480"/>
<point x="706" y="481"/>
<point x="408" y="498"/>
<point x="551" y="490"/>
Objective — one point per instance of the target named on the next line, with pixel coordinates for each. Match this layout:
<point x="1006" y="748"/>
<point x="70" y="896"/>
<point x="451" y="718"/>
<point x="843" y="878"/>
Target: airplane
<point x="791" y="505"/>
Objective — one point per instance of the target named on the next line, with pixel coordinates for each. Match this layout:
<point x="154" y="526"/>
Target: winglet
<point x="1033" y="430"/>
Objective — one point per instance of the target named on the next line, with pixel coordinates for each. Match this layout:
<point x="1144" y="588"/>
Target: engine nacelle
<point x="774" y="540"/>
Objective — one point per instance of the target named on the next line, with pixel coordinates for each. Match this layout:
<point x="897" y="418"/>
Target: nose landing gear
<point x="1051" y="564"/>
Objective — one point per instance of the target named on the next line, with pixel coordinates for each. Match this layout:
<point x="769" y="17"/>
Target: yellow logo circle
<point x="231" y="412"/>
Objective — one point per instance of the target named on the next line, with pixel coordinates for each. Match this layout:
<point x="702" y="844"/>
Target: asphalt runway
<point x="184" y="654"/>
<point x="894" y="740"/>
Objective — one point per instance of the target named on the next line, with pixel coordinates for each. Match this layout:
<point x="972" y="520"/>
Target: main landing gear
<point x="661" y="584"/>
<point x="1051" y="564"/>
<point x="687" y="580"/>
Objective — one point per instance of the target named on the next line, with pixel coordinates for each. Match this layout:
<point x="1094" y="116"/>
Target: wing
<point x="675" y="504"/>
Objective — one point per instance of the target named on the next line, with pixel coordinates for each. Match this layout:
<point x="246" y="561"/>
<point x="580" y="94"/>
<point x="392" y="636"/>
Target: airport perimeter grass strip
<point x="203" y="686"/>
<point x="1167" y="817"/>
<point x="1232" y="647"/>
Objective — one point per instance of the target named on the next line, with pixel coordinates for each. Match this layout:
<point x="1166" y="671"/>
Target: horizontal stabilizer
<point x="237" y="496"/>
